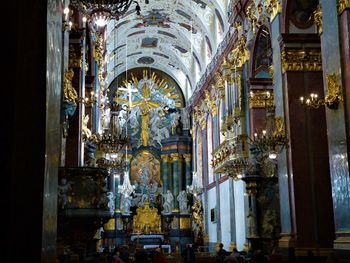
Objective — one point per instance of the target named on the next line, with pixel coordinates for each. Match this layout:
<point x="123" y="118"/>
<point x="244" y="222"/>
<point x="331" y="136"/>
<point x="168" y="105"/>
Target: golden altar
<point x="147" y="220"/>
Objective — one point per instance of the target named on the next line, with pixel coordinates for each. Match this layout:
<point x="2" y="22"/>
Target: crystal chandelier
<point x="103" y="10"/>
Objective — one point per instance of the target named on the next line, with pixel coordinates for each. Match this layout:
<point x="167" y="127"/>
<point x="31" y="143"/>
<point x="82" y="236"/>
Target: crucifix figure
<point x="129" y="90"/>
<point x="145" y="104"/>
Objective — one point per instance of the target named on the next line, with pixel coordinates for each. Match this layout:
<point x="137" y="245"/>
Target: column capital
<point x="165" y="158"/>
<point x="174" y="157"/>
<point x="187" y="157"/>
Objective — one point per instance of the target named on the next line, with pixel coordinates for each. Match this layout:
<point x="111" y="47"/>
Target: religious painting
<point x="145" y="169"/>
<point x="301" y="12"/>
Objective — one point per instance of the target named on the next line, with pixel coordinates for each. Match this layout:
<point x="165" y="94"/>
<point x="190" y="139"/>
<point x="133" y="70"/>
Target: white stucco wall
<point x="211" y="226"/>
<point x="225" y="214"/>
<point x="240" y="215"/>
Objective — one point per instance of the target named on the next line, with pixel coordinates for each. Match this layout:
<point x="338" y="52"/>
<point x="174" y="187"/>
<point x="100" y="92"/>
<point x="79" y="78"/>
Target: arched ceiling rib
<point x="161" y="38"/>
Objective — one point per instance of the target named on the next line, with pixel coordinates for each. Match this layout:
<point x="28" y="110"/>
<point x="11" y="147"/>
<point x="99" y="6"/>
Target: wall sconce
<point x="331" y="100"/>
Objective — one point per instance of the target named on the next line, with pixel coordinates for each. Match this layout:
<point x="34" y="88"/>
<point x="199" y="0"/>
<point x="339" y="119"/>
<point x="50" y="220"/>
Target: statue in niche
<point x="63" y="188"/>
<point x="251" y="224"/>
<point x="182" y="199"/>
<point x="126" y="201"/>
<point x="168" y="202"/>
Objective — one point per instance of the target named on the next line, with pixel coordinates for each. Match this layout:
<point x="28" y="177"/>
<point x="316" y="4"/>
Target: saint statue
<point x="168" y="203"/>
<point x="111" y="204"/>
<point x="63" y="190"/>
<point x="126" y="204"/>
<point x="182" y="199"/>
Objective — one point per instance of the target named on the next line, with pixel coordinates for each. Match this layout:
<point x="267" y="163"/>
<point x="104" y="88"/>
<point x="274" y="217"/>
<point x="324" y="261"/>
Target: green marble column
<point x="164" y="172"/>
<point x="175" y="173"/>
<point x="188" y="175"/>
<point x="116" y="189"/>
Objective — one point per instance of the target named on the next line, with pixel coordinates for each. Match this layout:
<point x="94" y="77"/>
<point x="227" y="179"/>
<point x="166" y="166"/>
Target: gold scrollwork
<point x="273" y="8"/>
<point x="187" y="157"/>
<point x="342" y="5"/>
<point x="146" y="220"/>
<point x="318" y="19"/>
<point x="296" y="59"/>
<point x="261" y="99"/>
<point x="251" y="15"/>
<point x="69" y="92"/>
<point x="240" y="54"/>
<point x="334" y="94"/>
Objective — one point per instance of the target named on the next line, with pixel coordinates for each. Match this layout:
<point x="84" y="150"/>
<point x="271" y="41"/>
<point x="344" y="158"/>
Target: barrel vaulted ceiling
<point x="161" y="38"/>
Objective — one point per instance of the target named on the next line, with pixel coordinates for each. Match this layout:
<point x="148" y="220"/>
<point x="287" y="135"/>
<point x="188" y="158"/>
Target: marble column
<point x="287" y="236"/>
<point x="182" y="185"/>
<point x="335" y="60"/>
<point x="188" y="174"/>
<point x="175" y="173"/>
<point x="308" y="167"/>
<point x="164" y="172"/>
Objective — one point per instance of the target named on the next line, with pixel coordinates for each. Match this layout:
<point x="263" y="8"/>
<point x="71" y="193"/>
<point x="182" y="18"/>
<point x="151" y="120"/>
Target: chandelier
<point x="103" y="10"/>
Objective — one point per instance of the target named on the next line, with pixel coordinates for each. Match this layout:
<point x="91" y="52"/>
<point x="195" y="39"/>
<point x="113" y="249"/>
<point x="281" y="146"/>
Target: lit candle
<point x="302" y="100"/>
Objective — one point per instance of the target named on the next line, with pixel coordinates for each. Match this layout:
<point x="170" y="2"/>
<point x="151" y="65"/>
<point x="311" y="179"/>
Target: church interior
<point x="154" y="124"/>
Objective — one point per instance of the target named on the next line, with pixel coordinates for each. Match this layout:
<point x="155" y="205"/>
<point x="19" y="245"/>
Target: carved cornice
<point x="318" y="19"/>
<point x="342" y="5"/>
<point x="301" y="59"/>
<point x="261" y="99"/>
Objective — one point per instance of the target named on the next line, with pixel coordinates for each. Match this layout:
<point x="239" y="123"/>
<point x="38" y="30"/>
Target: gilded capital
<point x="342" y="5"/>
<point x="188" y="157"/>
<point x="165" y="158"/>
<point x="174" y="157"/>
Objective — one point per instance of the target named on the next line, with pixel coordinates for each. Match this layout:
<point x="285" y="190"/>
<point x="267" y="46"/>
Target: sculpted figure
<point x="63" y="188"/>
<point x="168" y="202"/>
<point x="182" y="199"/>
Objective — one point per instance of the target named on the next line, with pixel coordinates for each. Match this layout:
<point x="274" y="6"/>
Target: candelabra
<point x="331" y="100"/>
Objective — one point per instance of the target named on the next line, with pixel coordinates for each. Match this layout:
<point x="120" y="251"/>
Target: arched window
<point x="262" y="54"/>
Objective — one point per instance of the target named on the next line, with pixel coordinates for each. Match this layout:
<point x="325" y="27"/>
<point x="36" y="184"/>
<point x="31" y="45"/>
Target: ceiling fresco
<point x="177" y="37"/>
